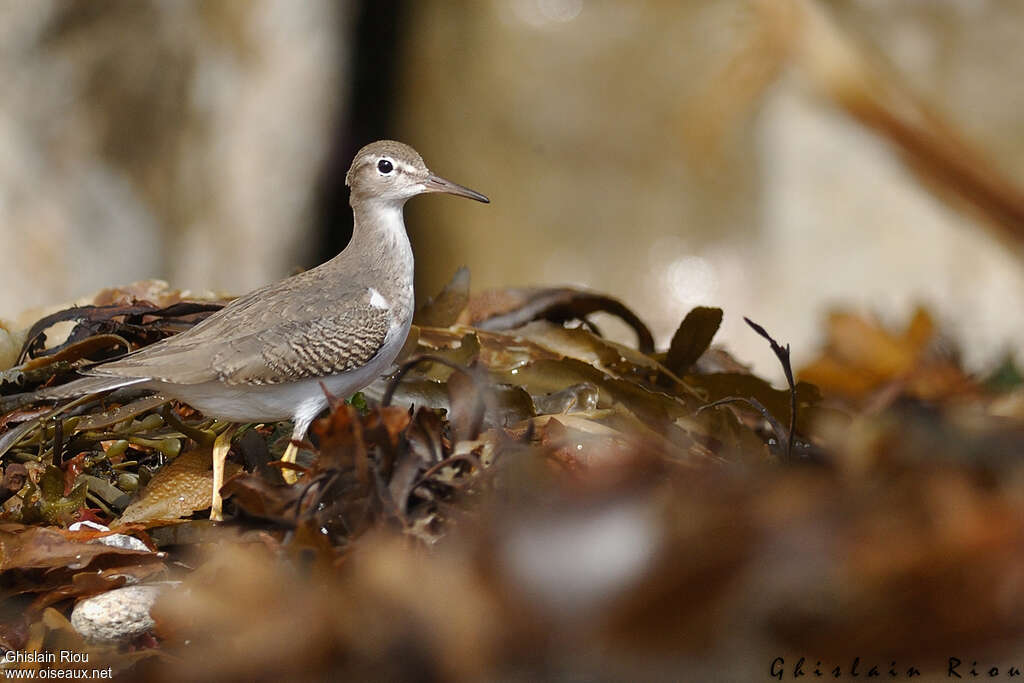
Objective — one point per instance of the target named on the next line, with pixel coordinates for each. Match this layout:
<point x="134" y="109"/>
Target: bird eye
<point x="385" y="166"/>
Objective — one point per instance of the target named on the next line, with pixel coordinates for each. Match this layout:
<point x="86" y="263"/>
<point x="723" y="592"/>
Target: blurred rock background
<point x="589" y="124"/>
<point x="671" y="154"/>
<point x="181" y="140"/>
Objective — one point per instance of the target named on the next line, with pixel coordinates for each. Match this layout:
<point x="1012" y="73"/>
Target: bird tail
<point x="87" y="385"/>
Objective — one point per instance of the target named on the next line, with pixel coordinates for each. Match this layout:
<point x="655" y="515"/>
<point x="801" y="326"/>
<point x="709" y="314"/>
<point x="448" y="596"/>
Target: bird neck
<point x="381" y="246"/>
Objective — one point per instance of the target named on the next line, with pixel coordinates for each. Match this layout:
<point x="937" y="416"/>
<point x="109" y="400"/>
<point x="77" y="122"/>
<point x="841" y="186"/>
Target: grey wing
<point x="294" y="350"/>
<point x="223" y="347"/>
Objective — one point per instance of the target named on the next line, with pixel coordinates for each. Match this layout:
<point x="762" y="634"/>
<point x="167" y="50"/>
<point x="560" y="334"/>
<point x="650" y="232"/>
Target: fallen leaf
<point x="180" y="488"/>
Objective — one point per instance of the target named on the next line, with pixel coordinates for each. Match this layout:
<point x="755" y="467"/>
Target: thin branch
<point x="783" y="355"/>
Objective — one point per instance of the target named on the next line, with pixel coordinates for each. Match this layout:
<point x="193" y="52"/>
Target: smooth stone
<point x="117" y="615"/>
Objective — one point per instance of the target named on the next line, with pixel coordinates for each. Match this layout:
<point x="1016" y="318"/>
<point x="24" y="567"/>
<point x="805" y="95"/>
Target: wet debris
<point x="522" y="498"/>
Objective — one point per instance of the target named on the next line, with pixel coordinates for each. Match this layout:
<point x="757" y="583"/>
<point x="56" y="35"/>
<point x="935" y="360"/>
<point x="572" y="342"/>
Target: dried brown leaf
<point x="180" y="488"/>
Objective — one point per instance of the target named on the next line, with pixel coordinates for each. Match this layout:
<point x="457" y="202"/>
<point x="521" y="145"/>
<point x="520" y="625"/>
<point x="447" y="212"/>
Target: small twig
<point x="783" y="355"/>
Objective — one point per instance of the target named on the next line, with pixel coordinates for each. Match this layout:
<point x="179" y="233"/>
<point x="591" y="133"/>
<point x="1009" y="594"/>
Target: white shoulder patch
<point x="378" y="301"/>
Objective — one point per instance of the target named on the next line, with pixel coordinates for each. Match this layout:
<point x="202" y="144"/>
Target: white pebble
<point x="120" y="614"/>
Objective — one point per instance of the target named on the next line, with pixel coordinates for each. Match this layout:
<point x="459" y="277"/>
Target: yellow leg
<point x="290" y="455"/>
<point x="221" y="446"/>
<point x="292" y="452"/>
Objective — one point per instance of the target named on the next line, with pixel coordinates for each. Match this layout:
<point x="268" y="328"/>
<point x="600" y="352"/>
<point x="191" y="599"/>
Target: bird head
<point x="394" y="172"/>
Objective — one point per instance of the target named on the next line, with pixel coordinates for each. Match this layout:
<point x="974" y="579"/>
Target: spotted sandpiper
<point x="263" y="357"/>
